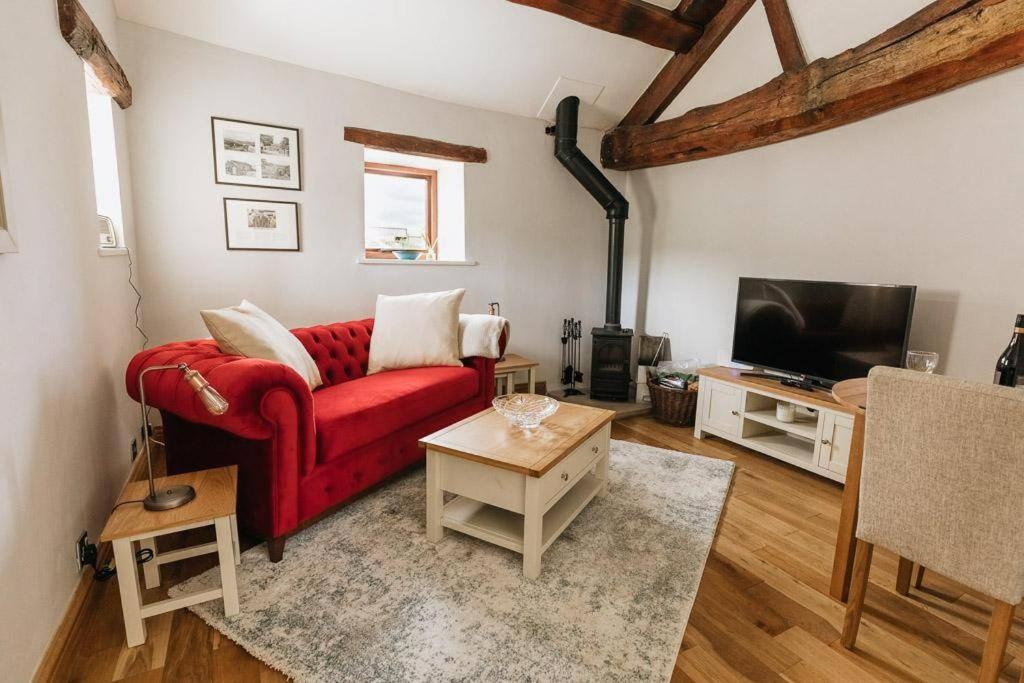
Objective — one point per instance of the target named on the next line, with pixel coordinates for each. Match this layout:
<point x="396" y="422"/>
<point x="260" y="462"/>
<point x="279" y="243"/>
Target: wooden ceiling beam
<point x="682" y="67"/>
<point x="787" y="41"/>
<point x="946" y="44"/>
<point x="635" y="19"/>
<point x="85" y="39"/>
<point x="698" y="11"/>
<point x="410" y="144"/>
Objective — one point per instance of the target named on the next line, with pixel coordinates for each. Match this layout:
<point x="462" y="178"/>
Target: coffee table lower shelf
<point x="505" y="528"/>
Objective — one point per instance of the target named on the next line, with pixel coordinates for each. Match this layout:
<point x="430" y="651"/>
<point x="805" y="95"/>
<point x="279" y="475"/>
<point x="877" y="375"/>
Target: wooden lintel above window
<point x="409" y="144"/>
<point x="85" y="39"/>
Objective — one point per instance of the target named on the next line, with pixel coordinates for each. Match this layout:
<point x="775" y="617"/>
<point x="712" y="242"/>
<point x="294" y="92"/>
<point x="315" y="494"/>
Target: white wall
<point x="66" y="332"/>
<point x="928" y="194"/>
<point x="540" y="239"/>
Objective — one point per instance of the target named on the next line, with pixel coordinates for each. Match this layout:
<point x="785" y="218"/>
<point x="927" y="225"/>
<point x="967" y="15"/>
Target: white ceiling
<point x="491" y="54"/>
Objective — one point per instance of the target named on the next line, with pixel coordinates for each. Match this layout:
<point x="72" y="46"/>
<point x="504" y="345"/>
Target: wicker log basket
<point x="673" y="406"/>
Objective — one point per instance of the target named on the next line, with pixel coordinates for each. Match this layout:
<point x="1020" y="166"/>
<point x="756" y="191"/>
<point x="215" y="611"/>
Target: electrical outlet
<point x="135" y="449"/>
<point x="85" y="552"/>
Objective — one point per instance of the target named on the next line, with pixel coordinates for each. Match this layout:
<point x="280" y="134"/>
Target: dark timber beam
<point x="787" y="42"/>
<point x="85" y="39"/>
<point x="409" y="144"/>
<point x="698" y="11"/>
<point x="684" y="66"/>
<point x="636" y="19"/>
<point x="946" y="44"/>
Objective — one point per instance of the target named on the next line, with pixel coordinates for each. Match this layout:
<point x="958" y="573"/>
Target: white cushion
<point x="246" y="330"/>
<point x="415" y="331"/>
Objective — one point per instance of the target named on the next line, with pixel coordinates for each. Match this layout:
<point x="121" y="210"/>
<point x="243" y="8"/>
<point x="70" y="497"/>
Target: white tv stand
<point x="742" y="410"/>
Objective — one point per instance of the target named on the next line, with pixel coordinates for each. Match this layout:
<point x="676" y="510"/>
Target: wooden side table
<point x="505" y="373"/>
<point x="214" y="505"/>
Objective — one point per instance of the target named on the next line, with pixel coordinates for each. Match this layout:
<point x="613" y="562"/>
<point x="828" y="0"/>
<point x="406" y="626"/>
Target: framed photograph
<point x="261" y="225"/>
<point x="255" y="154"/>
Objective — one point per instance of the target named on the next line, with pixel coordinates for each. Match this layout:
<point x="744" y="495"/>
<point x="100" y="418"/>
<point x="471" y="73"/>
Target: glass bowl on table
<point x="525" y="410"/>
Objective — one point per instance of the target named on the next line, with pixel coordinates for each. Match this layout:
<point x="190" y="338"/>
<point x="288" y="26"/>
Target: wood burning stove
<point x="612" y="345"/>
<point x="610" y="364"/>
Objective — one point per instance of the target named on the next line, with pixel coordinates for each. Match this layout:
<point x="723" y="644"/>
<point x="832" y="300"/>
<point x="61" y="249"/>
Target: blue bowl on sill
<point x="406" y="254"/>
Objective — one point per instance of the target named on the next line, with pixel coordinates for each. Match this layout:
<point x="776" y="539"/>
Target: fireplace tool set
<point x="572" y="333"/>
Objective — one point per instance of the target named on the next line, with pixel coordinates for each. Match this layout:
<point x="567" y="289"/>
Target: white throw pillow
<point x="246" y="330"/>
<point x="415" y="331"/>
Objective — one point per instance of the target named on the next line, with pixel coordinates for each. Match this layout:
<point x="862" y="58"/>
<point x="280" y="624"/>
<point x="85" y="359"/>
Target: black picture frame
<point x="227" y="228"/>
<point x="217" y="154"/>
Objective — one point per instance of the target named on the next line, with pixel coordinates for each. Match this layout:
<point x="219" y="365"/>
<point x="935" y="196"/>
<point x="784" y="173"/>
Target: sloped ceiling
<point x="490" y="54"/>
<point x="501" y="56"/>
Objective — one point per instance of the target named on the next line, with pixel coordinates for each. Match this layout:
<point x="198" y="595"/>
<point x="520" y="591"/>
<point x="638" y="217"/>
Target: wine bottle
<point x="1009" y="369"/>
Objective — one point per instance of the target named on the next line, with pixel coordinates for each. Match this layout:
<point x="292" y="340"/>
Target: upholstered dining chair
<point x="942" y="484"/>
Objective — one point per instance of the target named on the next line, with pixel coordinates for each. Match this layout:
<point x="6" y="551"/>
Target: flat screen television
<point x="823" y="331"/>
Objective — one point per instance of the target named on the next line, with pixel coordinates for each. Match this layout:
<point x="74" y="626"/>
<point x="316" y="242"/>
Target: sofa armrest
<point x="485" y="369"/>
<point x="266" y="400"/>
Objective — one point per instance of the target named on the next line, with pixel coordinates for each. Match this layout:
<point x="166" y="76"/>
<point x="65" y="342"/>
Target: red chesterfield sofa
<point x="300" y="453"/>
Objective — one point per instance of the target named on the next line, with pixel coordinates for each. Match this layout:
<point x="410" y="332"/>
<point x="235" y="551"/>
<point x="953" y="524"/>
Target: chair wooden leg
<point x="858" y="589"/>
<point x="275" y="548"/>
<point x="903" y="574"/>
<point x="920" y="577"/>
<point x="995" y="643"/>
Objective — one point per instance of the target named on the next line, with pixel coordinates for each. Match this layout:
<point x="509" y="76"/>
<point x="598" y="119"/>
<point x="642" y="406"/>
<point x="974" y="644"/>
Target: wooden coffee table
<point x="517" y="488"/>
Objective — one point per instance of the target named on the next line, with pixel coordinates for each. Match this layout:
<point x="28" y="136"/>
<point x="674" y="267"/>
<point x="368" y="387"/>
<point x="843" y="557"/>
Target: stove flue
<point x="612" y="345"/>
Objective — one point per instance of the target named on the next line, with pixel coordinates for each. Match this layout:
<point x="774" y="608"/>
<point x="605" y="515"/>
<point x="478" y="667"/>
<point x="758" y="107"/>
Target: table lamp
<point x="176" y="496"/>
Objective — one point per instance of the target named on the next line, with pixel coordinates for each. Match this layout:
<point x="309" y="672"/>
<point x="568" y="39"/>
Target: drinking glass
<point x="922" y="361"/>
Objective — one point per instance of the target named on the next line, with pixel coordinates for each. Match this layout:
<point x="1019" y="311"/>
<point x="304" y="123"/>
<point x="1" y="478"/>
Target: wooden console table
<point x="853" y="394"/>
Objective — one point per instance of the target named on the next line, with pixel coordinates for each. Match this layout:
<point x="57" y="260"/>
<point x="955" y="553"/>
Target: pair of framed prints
<point x="258" y="155"/>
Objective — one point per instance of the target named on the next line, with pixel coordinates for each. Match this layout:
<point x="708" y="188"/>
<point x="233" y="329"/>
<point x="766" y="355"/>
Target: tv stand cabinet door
<point x="722" y="408"/>
<point x="834" y="449"/>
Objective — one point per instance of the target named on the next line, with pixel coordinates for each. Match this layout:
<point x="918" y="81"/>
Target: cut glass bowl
<point x="525" y="410"/>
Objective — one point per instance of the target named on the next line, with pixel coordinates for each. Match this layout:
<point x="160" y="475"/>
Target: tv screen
<point x="826" y="331"/>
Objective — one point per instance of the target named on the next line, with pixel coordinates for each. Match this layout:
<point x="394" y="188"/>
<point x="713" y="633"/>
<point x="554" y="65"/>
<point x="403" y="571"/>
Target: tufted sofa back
<point x="340" y="350"/>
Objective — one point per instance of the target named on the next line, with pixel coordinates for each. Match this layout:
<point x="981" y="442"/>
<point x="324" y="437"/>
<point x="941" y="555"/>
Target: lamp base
<point x="169" y="498"/>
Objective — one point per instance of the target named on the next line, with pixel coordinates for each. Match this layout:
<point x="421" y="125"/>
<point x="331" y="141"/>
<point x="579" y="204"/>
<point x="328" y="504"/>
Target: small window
<point x="110" y="218"/>
<point x="401" y="211"/>
<point x="414" y="207"/>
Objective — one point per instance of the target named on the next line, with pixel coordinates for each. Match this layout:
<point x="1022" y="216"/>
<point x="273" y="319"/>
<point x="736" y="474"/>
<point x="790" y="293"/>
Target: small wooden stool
<point x="505" y="373"/>
<point x="214" y="505"/>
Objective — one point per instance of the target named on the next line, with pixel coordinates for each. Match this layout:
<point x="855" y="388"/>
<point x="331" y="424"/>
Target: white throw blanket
<point x="479" y="334"/>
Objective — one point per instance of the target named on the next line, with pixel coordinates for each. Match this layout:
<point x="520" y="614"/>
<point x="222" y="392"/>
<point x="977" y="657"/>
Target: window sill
<point x="111" y="251"/>
<point x="400" y="262"/>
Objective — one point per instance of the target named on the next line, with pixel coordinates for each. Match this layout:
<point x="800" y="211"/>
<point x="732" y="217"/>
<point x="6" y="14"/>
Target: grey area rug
<point x="362" y="595"/>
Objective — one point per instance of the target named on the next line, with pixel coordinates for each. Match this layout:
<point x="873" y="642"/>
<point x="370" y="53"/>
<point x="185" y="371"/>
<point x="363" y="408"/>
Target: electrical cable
<point x="142" y="556"/>
<point x="138" y="307"/>
<point x="126" y="502"/>
<point x="138" y="300"/>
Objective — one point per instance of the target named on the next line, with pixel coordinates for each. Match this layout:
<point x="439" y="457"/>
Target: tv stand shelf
<point x="805" y="425"/>
<point x="741" y="409"/>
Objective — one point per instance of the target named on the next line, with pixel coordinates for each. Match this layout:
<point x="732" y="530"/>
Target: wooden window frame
<point x="428" y="174"/>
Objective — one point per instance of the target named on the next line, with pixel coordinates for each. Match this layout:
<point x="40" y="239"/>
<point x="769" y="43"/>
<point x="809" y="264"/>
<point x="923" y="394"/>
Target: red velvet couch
<point x="300" y="453"/>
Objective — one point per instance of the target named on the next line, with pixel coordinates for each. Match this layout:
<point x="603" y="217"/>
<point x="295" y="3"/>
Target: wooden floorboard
<point x="762" y="612"/>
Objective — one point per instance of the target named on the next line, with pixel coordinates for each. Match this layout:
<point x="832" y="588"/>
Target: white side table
<point x="214" y="505"/>
<point x="505" y="373"/>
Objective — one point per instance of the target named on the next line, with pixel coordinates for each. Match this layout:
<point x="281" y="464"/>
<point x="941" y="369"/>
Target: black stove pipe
<point x="615" y="205"/>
